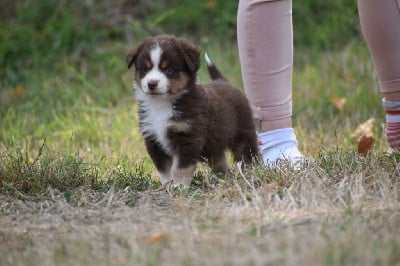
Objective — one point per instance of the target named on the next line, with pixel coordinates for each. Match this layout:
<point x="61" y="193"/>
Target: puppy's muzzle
<point x="152" y="85"/>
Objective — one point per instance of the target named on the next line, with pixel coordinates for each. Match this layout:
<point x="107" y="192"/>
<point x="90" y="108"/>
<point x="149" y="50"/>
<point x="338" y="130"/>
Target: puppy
<point x="183" y="122"/>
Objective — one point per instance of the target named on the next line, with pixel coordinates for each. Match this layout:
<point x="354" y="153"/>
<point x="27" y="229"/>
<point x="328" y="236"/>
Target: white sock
<point x="279" y="145"/>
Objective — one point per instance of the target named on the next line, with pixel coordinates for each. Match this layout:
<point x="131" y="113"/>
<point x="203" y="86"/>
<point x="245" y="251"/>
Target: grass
<point x="77" y="187"/>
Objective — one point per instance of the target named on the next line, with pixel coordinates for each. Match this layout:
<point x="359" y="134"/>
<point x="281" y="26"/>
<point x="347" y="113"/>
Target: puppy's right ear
<point x="131" y="56"/>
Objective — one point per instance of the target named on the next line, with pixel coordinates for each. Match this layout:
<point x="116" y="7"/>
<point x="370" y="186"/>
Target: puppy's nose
<point x="152" y="85"/>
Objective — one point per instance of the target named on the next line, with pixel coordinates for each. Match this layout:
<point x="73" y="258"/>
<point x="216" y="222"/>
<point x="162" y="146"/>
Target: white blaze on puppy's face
<point x="155" y="81"/>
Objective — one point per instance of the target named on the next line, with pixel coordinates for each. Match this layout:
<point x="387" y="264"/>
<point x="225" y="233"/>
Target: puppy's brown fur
<point x="183" y="122"/>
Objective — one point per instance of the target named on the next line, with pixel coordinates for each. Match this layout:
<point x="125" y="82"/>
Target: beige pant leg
<point x="380" y="22"/>
<point x="265" y="41"/>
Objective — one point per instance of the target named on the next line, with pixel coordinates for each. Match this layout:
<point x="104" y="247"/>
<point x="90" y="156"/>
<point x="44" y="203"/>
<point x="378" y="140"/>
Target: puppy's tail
<point x="213" y="71"/>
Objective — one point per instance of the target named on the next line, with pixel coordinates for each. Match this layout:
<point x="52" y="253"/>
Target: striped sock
<point x="392" y="110"/>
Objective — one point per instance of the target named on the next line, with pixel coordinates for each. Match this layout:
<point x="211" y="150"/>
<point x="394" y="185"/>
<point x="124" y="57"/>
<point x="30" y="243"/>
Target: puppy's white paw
<point x="175" y="188"/>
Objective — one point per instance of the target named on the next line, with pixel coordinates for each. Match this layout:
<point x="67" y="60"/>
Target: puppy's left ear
<point x="190" y="53"/>
<point x="131" y="56"/>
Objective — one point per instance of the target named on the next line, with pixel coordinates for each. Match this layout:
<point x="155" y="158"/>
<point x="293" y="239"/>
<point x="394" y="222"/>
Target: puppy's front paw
<point x="176" y="189"/>
<point x="182" y="182"/>
<point x="182" y="176"/>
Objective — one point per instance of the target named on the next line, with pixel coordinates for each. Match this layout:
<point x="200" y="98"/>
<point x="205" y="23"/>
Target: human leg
<point x="380" y="22"/>
<point x="265" y="41"/>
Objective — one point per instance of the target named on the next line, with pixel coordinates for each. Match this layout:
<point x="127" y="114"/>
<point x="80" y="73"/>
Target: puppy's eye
<point x="145" y="70"/>
<point x="169" y="71"/>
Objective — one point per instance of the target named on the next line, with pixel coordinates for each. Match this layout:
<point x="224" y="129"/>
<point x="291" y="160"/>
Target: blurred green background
<point x="41" y="33"/>
<point x="62" y="63"/>
<point x="61" y="59"/>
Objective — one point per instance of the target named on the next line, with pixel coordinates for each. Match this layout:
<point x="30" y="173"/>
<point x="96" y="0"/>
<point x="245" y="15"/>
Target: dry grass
<point x="307" y="217"/>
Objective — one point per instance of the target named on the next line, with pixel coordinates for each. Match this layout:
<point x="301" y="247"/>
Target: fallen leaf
<point x="157" y="238"/>
<point x="365" y="129"/>
<point x="364" y="134"/>
<point x="18" y="92"/>
<point x="211" y="4"/>
<point x="365" y="144"/>
<point x="338" y="102"/>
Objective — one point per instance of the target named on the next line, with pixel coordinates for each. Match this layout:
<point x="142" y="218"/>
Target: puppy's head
<point x="164" y="65"/>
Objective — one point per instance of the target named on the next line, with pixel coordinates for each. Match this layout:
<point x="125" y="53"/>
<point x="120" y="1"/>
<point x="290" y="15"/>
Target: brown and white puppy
<point x="183" y="122"/>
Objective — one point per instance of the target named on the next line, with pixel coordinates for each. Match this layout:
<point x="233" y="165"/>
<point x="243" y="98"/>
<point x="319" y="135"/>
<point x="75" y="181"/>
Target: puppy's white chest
<point x="155" y="121"/>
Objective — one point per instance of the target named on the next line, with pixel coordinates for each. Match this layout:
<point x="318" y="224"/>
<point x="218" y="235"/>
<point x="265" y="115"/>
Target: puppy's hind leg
<point x="218" y="163"/>
<point x="246" y="151"/>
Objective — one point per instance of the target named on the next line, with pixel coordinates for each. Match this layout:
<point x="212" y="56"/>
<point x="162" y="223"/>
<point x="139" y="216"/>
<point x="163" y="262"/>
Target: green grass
<point x="77" y="187"/>
<point x="91" y="115"/>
